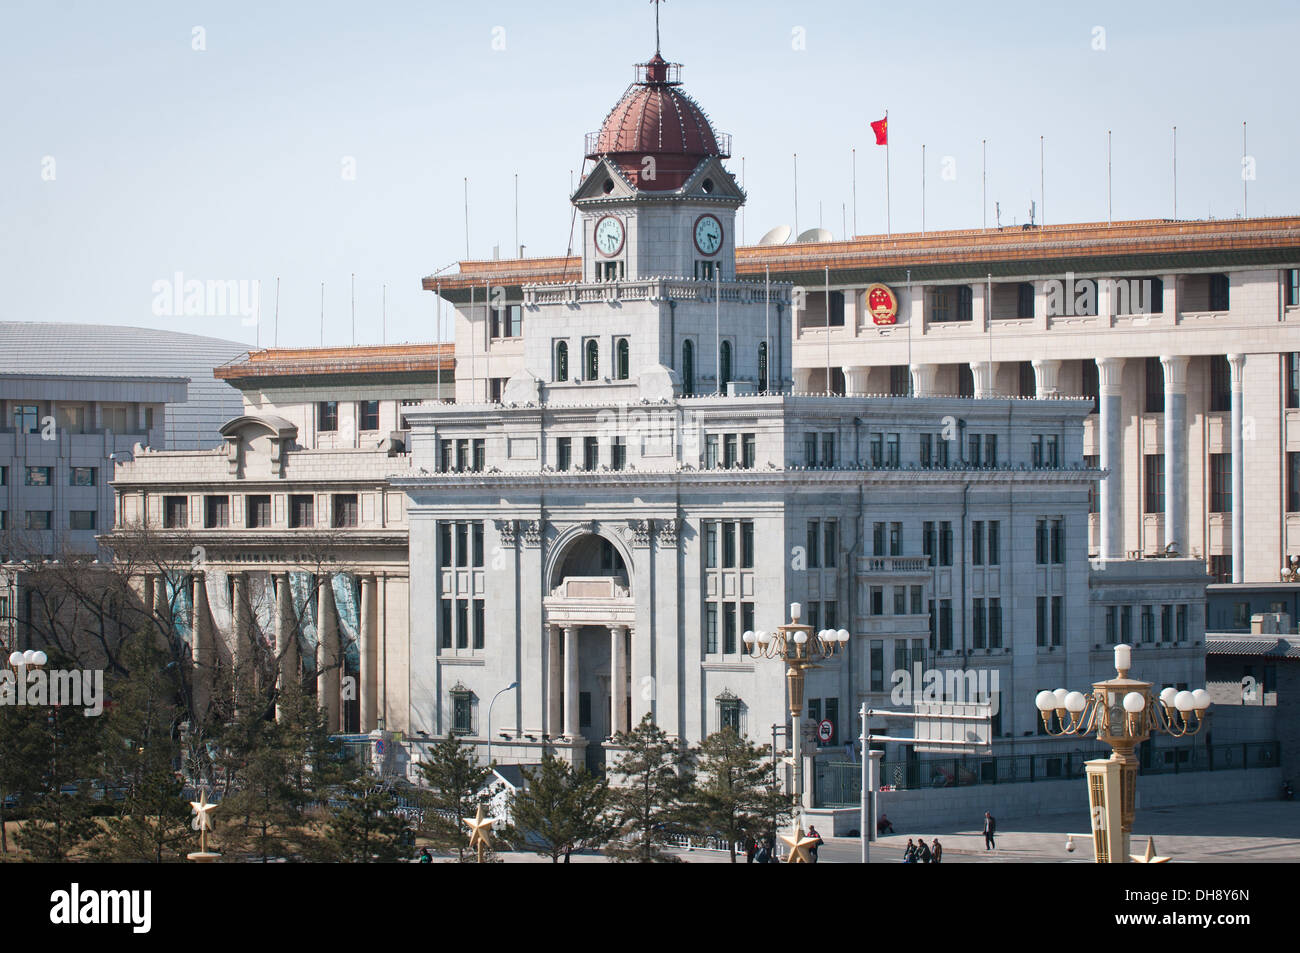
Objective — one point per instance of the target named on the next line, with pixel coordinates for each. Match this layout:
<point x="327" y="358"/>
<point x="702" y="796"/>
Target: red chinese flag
<point x="881" y="128"/>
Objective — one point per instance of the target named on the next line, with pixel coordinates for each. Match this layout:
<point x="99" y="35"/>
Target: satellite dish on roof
<point x="777" y="236"/>
<point x="815" y="235"/>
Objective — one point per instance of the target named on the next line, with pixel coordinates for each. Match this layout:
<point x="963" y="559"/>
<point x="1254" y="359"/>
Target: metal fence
<point x="838" y="784"/>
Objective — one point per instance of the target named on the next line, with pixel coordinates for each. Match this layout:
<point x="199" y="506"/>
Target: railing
<point x="838" y="784"/>
<point x="650" y="289"/>
<point x="893" y="565"/>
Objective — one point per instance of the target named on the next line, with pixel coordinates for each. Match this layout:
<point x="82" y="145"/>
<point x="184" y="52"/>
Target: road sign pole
<point x="863" y="830"/>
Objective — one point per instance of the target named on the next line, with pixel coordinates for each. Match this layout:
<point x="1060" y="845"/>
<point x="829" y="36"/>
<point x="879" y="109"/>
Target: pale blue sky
<point x="226" y="163"/>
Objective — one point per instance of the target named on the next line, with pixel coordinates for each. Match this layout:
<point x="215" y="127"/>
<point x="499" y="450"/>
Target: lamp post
<point x="510" y="687"/>
<point x="1122" y="712"/>
<point x="795" y="645"/>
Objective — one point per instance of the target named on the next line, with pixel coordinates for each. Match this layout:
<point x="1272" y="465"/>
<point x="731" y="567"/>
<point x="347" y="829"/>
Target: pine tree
<point x="562" y="808"/>
<point x="734" y="797"/>
<point x="457" y="785"/>
<point x="650" y="801"/>
<point x="363" y="824"/>
<point x="68" y="756"/>
<point x="22" y="747"/>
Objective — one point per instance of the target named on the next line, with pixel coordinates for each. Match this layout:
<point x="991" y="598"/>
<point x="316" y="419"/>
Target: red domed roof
<point x="655" y="118"/>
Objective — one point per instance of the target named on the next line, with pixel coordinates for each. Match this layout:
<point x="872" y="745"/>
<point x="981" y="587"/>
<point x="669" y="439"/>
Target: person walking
<point x="923" y="852"/>
<point x="990" y="828"/>
<point x="909" y="852"/>
<point x="751" y="849"/>
<point x="936" y="852"/>
<point x="425" y="856"/>
<point x="812" y="851"/>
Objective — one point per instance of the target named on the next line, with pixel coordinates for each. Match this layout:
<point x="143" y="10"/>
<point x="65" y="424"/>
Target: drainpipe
<point x="780" y="349"/>
<point x="965" y="616"/>
<point x="857" y="445"/>
<point x="851" y="580"/>
<point x="672" y="334"/>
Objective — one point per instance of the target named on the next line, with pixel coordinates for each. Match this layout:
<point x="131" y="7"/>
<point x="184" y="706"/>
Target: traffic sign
<point x="825" y="731"/>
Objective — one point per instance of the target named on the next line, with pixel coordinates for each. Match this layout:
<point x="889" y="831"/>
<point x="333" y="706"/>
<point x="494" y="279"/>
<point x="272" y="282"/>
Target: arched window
<point x="621" y="362"/>
<point x="762" y="365"/>
<point x="688" y="368"/>
<point x="724" y="367"/>
<point x="562" y="361"/>
<point x="593" y="360"/>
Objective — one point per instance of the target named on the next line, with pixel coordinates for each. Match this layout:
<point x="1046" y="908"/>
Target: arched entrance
<point x="589" y="613"/>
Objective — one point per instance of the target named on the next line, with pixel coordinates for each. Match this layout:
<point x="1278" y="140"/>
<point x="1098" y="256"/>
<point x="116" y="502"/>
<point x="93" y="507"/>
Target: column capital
<point x="1175" y="373"/>
<point x="982" y="374"/>
<point x="923" y="377"/>
<point x="1237" y="365"/>
<point x="1110" y="375"/>
<point x="1046" y="376"/>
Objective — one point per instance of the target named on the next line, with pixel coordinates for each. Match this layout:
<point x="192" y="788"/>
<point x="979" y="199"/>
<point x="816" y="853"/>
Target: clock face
<point x="708" y="234"/>
<point x="609" y="236"/>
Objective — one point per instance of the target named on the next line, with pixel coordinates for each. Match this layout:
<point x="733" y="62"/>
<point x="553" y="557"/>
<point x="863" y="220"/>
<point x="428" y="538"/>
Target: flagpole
<point x="1042" y="182"/>
<point x="828" y="331"/>
<point x="1108" y="205"/>
<point x="1245" y="204"/>
<point x="888" y="227"/>
<point x="796" y="194"/>
<point x="984" y="184"/>
<point x="854" y="161"/>
<point x="923" y="189"/>
<point x="717" y="322"/>
<point x="767" y="324"/>
<point x="1175" y="173"/>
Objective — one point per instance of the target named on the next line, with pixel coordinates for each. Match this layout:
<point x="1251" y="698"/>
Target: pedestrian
<point x="762" y="855"/>
<point x="923" y="852"/>
<point x="567" y="851"/>
<point x="883" y="825"/>
<point x="425" y="856"/>
<point x="812" y="832"/>
<point x="909" y="852"/>
<point x="936" y="851"/>
<point x="990" y="828"/>
<point x="751" y="849"/>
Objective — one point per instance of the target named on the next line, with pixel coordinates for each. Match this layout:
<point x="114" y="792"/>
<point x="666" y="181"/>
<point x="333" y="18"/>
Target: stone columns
<point x="982" y="373"/>
<point x="618" y="678"/>
<point x="923" y="377"/>
<point x="328" y="661"/>
<point x="241" y="645"/>
<point x="1175" y="453"/>
<point x="855" y="381"/>
<point x="1110" y="373"/>
<point x="554" y="681"/>
<point x="286" y="638"/>
<point x="200" y="645"/>
<point x="1046" y="375"/>
<point x="1237" y="363"/>
<point x="571" y="728"/>
<point x="367" y="648"/>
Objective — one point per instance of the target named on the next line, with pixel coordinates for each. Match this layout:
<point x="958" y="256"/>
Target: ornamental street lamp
<point x="511" y="687"/>
<point x="1123" y="712"/>
<point x="795" y="645"/>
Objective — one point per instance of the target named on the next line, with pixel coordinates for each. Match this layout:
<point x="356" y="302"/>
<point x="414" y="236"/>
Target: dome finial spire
<point x="656" y="3"/>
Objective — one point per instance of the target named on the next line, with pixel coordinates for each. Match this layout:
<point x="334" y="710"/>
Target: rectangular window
<point x="462" y="545"/>
<point x="590" y="453"/>
<point x="900" y="600"/>
<point x="974" y="446"/>
<point x="83" y="476"/>
<point x="480" y="618"/>
<point x="369" y="410"/>
<point x="746" y="618"/>
<point x="900" y="381"/>
<point x="729" y="450"/>
<point x="1166" y="623"/>
<point x="814" y="544"/>
<point x="27" y="418"/>
<point x="928" y="540"/>
<point x="945" y="543"/>
<point x="977" y="624"/>
<point x="877" y="600"/>
<point x="1293" y="379"/>
<point x="1293" y="482"/>
<point x="814" y="620"/>
<point x="563" y="453"/>
<point x="1041" y="550"/>
<point x="945" y="624"/>
<point x="995" y="542"/>
<point x="711" y="627"/>
<point x="1219" y="298"/>
<point x="830" y="544"/>
<point x="877" y="665"/>
<point x="618" y="453"/>
<point x="444" y="623"/>
<point x="444" y="545"/>
<point x="710" y="451"/>
<point x="257" y="509"/>
<point x="747" y="545"/>
<point x="476" y="536"/>
<point x="1092" y="461"/>
<point x="926" y="451"/>
<point x="81" y="519"/>
<point x="462" y="623"/>
<point x="934" y="626"/>
<point x="878" y="539"/>
<point x="1025" y="299"/>
<point x="1126" y="624"/>
<point x="4" y="476"/>
<point x="480" y="455"/>
<point x="977" y="543"/>
<point x="748" y="450"/>
<point x="895" y="539"/>
<point x="39" y="476"/>
<point x="1058" y="542"/>
<point x="1221" y="568"/>
<point x="1220" y="383"/>
<point x="729" y="628"/>
<point x="462" y="454"/>
<point x="301" y="510"/>
<point x="327" y="416"/>
<point x="995" y="623"/>
<point x="345" y="510"/>
<point x="1153" y="497"/>
<point x="1292" y="276"/>
<point x="810" y="450"/>
<point x="175" y="512"/>
<point x="39" y="519"/>
<point x="216" y="512"/>
<point x="728" y="545"/>
<point x="1180" y="623"/>
<point x="877" y="444"/>
<point x="710" y="544"/>
<point x="1148" y="624"/>
<point x="1041" y="621"/>
<point x="990" y="450"/>
<point x="828" y="450"/>
<point x="114" y="419"/>
<point x="918" y="606"/>
<point x="1058" y="620"/>
<point x="1220" y="483"/>
<point x="892" y="450"/>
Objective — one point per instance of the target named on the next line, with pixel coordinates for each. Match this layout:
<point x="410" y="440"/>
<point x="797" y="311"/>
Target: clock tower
<point x="658" y="201"/>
